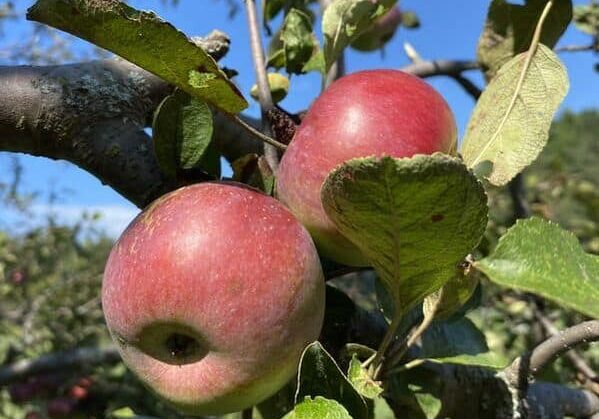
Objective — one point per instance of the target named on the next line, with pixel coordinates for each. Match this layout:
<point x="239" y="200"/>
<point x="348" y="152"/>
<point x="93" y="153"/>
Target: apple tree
<point x="257" y="296"/>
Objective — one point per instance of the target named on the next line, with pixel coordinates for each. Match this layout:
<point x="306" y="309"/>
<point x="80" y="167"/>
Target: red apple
<point x="78" y="392"/>
<point x="378" y="112"/>
<point x="212" y="293"/>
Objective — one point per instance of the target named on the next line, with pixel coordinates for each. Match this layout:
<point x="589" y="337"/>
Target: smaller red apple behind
<point x="377" y="112"/>
<point x="212" y="293"/>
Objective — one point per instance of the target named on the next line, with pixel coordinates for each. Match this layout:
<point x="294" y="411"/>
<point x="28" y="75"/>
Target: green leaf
<point x="128" y="413"/>
<point x="379" y="32"/>
<point x="509" y="28"/>
<point x="414" y="218"/>
<point x="298" y="40"/>
<point x="182" y="135"/>
<point x="271" y="8"/>
<point x="362" y="381"/>
<point x="255" y="171"/>
<point x="453" y="295"/>
<point x="539" y="257"/>
<point x="319" y="375"/>
<point x="295" y="46"/>
<point x="382" y="409"/>
<point x="146" y="40"/>
<point x="279" y="86"/>
<point x="319" y="408"/>
<point x="315" y="63"/>
<point x="510" y="123"/>
<point x="586" y="18"/>
<point x="344" y="20"/>
<point x="458" y="342"/>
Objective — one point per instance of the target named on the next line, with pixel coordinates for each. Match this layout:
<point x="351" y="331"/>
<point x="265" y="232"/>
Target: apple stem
<point x="264" y="96"/>
<point x="247" y="413"/>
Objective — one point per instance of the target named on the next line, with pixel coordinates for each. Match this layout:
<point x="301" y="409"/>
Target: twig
<point x="468" y="85"/>
<point x="577" y="48"/>
<point x="531" y="364"/>
<point x="60" y="361"/>
<point x="426" y="69"/>
<point x="420" y="67"/>
<point x="579" y="363"/>
<point x="250" y="129"/>
<point x="518" y="195"/>
<point x="264" y="95"/>
<point x="411" y="52"/>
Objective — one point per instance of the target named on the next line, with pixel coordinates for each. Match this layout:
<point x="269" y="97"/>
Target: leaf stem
<point x="264" y="95"/>
<point x="387" y="340"/>
<point x="395" y="358"/>
<point x="253" y="131"/>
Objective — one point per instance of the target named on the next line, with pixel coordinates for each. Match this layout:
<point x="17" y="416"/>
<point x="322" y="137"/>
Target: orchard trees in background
<point x="449" y="323"/>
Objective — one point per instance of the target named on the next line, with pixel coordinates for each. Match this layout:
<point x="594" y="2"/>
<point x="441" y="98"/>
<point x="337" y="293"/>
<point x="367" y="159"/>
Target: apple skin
<point x="212" y="293"/>
<point x="375" y="112"/>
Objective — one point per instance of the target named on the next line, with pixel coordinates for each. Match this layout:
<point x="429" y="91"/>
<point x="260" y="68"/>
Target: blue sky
<point x="450" y="30"/>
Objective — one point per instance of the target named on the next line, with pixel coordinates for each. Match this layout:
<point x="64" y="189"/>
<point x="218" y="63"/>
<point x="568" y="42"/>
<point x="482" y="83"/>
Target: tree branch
<point x="574" y="357"/>
<point x="93" y="115"/>
<point x="60" y="361"/>
<point x="265" y="98"/>
<point x="426" y="69"/>
<point x="453" y="69"/>
<point x="532" y="363"/>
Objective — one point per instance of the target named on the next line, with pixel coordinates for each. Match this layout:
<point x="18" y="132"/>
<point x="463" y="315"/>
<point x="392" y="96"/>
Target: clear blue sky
<point x="450" y="30"/>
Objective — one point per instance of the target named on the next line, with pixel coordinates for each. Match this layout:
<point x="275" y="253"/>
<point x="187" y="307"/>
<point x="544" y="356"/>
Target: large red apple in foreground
<point x="212" y="293"/>
<point x="379" y="112"/>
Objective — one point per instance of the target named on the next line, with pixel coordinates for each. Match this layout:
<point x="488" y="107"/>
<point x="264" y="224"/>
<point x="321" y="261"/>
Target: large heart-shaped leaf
<point x="146" y="40"/>
<point x="510" y="123"/>
<point x="539" y="257"/>
<point x="319" y="375"/>
<point x="509" y="29"/>
<point x="414" y="218"/>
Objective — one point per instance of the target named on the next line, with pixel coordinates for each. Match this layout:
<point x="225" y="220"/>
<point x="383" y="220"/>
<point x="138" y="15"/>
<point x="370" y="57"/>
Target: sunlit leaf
<point x="539" y="257"/>
<point x="510" y="123"/>
<point x="146" y="40"/>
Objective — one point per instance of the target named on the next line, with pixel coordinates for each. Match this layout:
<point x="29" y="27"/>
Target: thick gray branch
<point x="60" y="361"/>
<point x="426" y="69"/>
<point x="531" y="364"/>
<point x="93" y="115"/>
